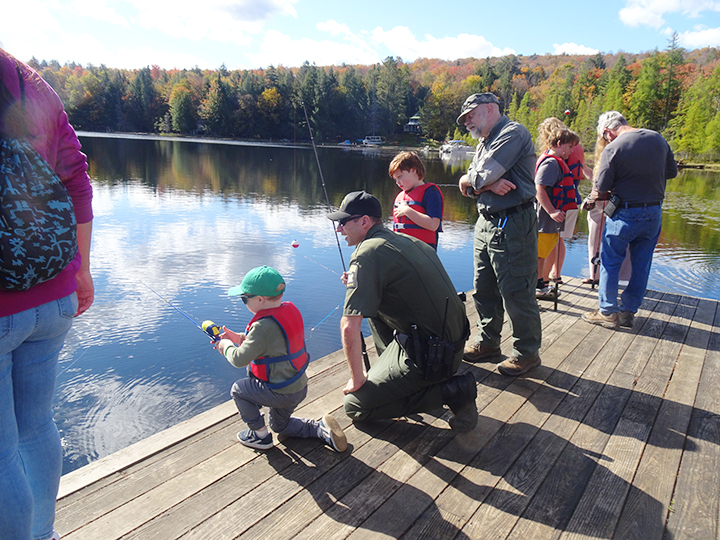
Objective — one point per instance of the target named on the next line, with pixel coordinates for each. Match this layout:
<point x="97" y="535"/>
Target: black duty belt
<point x="639" y="204"/>
<point x="508" y="211"/>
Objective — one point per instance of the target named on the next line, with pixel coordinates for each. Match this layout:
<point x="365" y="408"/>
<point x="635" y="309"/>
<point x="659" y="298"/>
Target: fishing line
<point x="322" y="180"/>
<point x="325" y="267"/>
<point x="326" y="317"/>
<point x="208" y="328"/>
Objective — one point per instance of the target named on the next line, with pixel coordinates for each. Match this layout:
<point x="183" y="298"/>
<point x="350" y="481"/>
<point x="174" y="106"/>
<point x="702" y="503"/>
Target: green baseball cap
<point x="260" y="281"/>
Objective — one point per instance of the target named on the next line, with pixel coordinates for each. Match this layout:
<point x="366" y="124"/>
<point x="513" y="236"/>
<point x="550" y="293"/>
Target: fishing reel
<point x="212" y="330"/>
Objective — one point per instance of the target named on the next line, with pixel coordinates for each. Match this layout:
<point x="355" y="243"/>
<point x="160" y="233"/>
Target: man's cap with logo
<point x="473" y="101"/>
<point x="260" y="281"/>
<point x="357" y="203"/>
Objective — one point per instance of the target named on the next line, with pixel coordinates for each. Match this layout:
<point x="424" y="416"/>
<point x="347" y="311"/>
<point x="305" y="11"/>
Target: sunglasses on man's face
<point x="343" y="221"/>
<point x="246" y="297"/>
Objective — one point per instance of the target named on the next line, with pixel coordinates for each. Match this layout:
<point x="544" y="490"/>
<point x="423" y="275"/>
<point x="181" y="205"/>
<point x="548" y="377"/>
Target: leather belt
<point x="508" y="211"/>
<point x="640" y="204"/>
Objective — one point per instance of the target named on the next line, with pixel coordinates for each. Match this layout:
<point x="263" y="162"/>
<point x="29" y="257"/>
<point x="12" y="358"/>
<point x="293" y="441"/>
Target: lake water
<point x="188" y="219"/>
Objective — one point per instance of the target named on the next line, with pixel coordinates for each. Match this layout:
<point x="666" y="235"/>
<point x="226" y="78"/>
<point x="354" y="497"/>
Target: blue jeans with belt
<point x="30" y="451"/>
<point x="637" y="229"/>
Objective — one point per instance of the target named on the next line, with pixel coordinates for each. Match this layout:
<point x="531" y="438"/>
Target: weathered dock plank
<point x="617" y="435"/>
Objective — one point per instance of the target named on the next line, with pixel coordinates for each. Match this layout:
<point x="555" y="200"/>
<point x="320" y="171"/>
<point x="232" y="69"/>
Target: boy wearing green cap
<point x="273" y="349"/>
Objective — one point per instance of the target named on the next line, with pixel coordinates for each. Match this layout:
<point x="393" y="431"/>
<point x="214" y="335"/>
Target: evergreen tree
<point x="217" y="109"/>
<point x="141" y="102"/>
<point x="673" y="60"/>
<point x="646" y="104"/>
<point x="182" y="113"/>
<point x="616" y="84"/>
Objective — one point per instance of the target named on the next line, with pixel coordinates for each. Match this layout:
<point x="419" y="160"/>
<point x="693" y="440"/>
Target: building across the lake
<point x="413" y="125"/>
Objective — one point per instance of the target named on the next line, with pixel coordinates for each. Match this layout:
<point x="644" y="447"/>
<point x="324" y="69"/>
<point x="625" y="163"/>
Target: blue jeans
<point x="251" y="394"/>
<point x="30" y="452"/>
<point x="637" y="229"/>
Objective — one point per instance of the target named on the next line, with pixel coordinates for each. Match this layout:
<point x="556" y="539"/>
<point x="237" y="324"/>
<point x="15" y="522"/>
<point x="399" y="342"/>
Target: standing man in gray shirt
<point x="505" y="243"/>
<point x="634" y="167"/>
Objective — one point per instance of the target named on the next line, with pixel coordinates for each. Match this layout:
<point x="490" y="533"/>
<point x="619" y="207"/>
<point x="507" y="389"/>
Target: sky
<point x="250" y="34"/>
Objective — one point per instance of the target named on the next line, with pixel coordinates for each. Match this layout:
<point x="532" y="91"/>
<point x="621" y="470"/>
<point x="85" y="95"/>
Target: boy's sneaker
<point x="55" y="536"/>
<point x="330" y="431"/>
<point x="597" y="317"/>
<point x="249" y="438"/>
<point x="626" y="319"/>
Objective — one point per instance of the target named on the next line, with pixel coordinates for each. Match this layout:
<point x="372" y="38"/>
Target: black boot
<point x="459" y="393"/>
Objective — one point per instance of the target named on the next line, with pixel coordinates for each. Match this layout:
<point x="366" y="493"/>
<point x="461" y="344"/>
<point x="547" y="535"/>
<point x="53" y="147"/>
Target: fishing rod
<point x="322" y="180"/>
<point x="596" y="259"/>
<point x="208" y="327"/>
<point x="366" y="359"/>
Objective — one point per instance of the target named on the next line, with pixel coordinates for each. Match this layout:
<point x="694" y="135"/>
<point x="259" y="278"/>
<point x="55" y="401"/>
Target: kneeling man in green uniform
<point x="417" y="320"/>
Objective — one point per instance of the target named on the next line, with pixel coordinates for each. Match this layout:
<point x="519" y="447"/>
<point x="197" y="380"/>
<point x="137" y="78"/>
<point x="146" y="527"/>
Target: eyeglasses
<point x="343" y="221"/>
<point x="246" y="297"/>
<point x="605" y="138"/>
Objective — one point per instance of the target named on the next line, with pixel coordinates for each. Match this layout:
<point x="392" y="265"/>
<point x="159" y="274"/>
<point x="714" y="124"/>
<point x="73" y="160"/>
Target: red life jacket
<point x="414" y="198"/>
<point x="290" y="321"/>
<point x="576" y="168"/>
<point x="563" y="195"/>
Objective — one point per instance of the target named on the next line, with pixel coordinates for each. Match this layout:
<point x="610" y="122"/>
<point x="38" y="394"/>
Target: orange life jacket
<point x="290" y="321"/>
<point x="414" y="198"/>
<point x="563" y="195"/>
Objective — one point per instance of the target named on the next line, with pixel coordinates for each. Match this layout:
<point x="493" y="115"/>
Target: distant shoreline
<point x="236" y="142"/>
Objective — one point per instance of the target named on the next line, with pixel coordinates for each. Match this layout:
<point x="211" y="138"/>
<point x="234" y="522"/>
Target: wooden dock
<point x="617" y="435"/>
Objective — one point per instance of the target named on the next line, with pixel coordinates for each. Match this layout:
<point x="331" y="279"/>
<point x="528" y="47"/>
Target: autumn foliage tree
<point x="673" y="91"/>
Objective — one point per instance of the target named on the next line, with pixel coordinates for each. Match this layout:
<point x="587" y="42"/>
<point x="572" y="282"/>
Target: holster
<point x="433" y="356"/>
<point x="612" y="206"/>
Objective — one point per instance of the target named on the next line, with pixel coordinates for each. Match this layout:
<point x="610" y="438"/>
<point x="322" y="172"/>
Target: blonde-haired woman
<point x="576" y="164"/>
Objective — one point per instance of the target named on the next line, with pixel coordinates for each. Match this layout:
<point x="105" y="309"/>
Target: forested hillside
<point x="676" y="92"/>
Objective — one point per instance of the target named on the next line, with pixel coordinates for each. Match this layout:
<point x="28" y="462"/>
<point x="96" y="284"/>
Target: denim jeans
<point x="30" y="452"/>
<point x="251" y="394"/>
<point x="637" y="229"/>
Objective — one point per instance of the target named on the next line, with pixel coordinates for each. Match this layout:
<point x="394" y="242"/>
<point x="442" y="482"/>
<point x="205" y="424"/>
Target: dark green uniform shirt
<point x="400" y="281"/>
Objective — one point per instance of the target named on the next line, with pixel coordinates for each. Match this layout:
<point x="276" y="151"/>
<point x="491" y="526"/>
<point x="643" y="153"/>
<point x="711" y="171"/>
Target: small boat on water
<point x="373" y="140"/>
<point x="456" y="150"/>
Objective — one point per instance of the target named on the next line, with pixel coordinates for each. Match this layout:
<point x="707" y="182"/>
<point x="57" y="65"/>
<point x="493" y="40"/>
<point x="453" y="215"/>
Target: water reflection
<point x="190" y="219"/>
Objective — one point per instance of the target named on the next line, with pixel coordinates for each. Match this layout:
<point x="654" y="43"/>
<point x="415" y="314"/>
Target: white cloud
<point x="280" y="49"/>
<point x="573" y="48"/>
<point x="349" y="47"/>
<point x="700" y="37"/>
<point x="403" y="43"/>
<point x="100" y="11"/>
<point x="652" y="12"/>
<point x="226" y="21"/>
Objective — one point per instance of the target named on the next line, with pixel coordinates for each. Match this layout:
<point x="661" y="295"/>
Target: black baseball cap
<point x="357" y="203"/>
<point x="473" y="101"/>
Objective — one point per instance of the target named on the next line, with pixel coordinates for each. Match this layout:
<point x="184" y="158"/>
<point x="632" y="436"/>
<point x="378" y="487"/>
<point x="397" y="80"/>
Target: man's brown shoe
<point x="515" y="365"/>
<point x="596" y="317"/>
<point x="626" y="319"/>
<point x="477" y="353"/>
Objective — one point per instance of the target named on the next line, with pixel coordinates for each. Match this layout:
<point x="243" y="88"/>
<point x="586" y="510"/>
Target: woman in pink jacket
<point x="34" y="322"/>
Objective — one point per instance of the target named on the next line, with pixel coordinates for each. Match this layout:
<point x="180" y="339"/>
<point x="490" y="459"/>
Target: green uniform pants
<point x="394" y="388"/>
<point x="505" y="279"/>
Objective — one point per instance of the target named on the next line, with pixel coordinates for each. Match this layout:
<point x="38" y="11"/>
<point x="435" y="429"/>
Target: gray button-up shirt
<point x="507" y="152"/>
